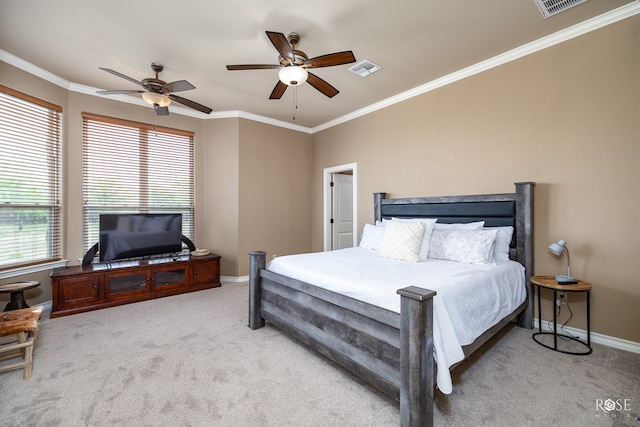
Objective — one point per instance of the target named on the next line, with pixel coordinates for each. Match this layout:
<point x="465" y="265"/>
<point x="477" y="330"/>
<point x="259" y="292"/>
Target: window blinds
<point x="30" y="180"/>
<point x="131" y="167"/>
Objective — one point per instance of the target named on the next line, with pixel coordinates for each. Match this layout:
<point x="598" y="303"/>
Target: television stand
<point x="82" y="288"/>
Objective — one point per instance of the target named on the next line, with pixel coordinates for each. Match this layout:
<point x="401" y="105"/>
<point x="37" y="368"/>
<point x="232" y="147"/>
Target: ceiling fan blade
<point x="252" y="67"/>
<point x="115" y="92"/>
<point x="178" y="86"/>
<point x="161" y="111"/>
<point x="278" y="90"/>
<point x="331" y="59"/>
<point x="191" y="104"/>
<point x="322" y="85"/>
<point x="115" y="73"/>
<point x="282" y="45"/>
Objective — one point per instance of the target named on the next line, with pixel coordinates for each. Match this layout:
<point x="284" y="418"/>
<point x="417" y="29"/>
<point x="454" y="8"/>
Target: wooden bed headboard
<point x="514" y="209"/>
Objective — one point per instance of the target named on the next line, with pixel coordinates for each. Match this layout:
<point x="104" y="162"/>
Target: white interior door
<point x="342" y="211"/>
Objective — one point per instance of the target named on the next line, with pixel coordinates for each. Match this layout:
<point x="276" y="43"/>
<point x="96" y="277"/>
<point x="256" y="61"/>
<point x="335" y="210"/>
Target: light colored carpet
<point x="190" y="360"/>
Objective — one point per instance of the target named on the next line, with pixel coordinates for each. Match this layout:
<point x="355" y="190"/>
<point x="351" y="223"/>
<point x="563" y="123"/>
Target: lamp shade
<point x="557" y="247"/>
<point x="154" y="98"/>
<point x="293" y="75"/>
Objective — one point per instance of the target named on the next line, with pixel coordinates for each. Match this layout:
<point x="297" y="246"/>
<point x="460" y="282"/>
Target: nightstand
<point x="550" y="282"/>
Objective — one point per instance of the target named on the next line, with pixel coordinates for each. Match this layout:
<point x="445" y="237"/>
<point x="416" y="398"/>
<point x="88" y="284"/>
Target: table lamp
<point x="557" y="248"/>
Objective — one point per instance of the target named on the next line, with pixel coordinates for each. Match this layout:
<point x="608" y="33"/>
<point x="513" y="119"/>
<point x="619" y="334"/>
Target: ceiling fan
<point x="295" y="63"/>
<point x="158" y="93"/>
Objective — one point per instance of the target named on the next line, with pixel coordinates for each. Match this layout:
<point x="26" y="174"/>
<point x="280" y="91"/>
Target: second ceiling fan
<point x="294" y="65"/>
<point x="158" y="93"/>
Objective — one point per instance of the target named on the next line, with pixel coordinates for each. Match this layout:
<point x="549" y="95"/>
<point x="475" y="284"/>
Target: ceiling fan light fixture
<point x="293" y="75"/>
<point x="159" y="99"/>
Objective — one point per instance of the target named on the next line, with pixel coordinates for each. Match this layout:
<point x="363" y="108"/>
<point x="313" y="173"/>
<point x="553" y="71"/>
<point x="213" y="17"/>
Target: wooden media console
<point x="83" y="288"/>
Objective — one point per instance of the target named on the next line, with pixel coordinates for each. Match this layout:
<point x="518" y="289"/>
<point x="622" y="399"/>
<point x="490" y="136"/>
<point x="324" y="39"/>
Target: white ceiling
<point x="415" y="41"/>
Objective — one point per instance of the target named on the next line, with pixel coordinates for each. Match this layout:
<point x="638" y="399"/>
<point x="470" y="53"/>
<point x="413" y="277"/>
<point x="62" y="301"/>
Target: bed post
<point x="416" y="356"/>
<point x="257" y="262"/>
<point x="524" y="248"/>
<point x="377" y="205"/>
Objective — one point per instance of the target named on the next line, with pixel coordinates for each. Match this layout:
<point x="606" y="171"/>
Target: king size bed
<point x="397" y="317"/>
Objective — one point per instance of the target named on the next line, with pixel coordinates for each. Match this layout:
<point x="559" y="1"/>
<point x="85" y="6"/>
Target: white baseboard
<point x="46" y="306"/>
<point x="597" y="338"/>
<point x="234" y="279"/>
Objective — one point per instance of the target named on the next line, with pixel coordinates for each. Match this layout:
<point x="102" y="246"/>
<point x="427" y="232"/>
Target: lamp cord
<point x="558" y="311"/>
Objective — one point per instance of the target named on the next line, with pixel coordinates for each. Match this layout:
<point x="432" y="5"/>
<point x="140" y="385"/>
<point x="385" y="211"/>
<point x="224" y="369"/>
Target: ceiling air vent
<point x="552" y="7"/>
<point x="364" y="68"/>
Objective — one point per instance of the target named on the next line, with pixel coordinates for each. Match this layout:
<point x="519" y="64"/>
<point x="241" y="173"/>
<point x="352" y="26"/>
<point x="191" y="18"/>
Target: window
<point x="131" y="167"/>
<point x="30" y="180"/>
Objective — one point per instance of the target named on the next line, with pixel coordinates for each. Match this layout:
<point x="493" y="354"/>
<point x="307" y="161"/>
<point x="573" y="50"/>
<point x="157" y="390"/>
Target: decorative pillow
<point x="503" y="243"/>
<point x="372" y="237"/>
<point x="401" y="240"/>
<point x="461" y="226"/>
<point x="429" y="224"/>
<point x="470" y="246"/>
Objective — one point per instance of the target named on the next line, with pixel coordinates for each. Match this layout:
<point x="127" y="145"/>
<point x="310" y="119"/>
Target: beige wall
<point x="275" y="191"/>
<point x="257" y="191"/>
<point x="567" y="118"/>
<point x="220" y="201"/>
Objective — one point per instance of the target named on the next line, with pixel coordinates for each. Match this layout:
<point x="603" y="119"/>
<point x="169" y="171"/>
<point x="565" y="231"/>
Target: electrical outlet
<point x="562" y="299"/>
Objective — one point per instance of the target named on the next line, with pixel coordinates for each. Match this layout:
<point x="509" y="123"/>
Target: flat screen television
<point x="125" y="236"/>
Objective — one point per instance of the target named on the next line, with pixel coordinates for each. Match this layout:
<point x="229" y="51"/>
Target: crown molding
<point x="561" y="36"/>
<point x="33" y="69"/>
<point x="274" y="122"/>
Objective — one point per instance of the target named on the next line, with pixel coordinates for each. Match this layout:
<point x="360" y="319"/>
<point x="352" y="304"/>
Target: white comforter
<point x="470" y="298"/>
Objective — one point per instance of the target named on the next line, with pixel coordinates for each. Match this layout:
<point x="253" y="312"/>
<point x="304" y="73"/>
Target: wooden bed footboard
<point x="391" y="351"/>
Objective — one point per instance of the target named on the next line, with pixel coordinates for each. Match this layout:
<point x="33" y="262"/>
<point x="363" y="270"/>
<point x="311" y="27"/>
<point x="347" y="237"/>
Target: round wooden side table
<point x="550" y="282"/>
<point x="17" y="296"/>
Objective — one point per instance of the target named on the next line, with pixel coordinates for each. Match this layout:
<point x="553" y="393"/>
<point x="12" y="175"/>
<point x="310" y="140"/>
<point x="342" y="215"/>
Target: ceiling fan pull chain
<point x="295" y="101"/>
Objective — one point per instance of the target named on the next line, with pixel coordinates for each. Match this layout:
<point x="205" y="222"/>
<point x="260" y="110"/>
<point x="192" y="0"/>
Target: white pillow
<point x="461" y="226"/>
<point x="470" y="246"/>
<point x="401" y="240"/>
<point x="371" y="237"/>
<point x="429" y="224"/>
<point x="503" y="243"/>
